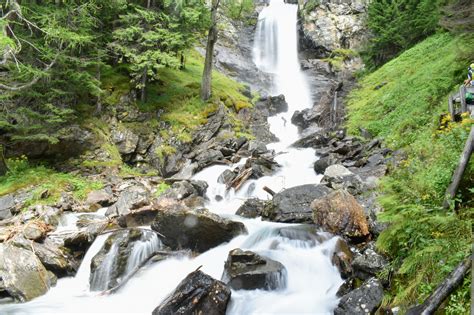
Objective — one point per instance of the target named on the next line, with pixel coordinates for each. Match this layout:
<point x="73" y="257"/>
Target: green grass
<point x="177" y="93"/>
<point x="424" y="241"/>
<point x="42" y="179"/>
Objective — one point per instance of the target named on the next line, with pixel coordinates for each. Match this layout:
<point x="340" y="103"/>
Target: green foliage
<point x="161" y="189"/>
<point x="425" y="241"/>
<point x="239" y="9"/>
<point x="311" y="5"/>
<point x="22" y="175"/>
<point x="397" y="25"/>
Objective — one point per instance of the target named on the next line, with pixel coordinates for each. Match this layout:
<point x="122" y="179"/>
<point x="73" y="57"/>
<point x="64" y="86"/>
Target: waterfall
<point x="311" y="279"/>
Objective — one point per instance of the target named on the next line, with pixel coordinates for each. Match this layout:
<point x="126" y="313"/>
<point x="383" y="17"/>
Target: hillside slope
<point x="402" y="103"/>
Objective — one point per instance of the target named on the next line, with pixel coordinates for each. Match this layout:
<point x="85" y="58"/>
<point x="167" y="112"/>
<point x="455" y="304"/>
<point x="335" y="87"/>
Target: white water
<point x="312" y="280"/>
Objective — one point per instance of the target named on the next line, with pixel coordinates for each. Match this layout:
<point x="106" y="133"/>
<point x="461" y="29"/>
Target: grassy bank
<point x="402" y="103"/>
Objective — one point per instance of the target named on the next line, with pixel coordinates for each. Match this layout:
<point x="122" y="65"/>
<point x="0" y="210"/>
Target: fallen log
<point x="268" y="190"/>
<point x="457" y="176"/>
<point x="453" y="281"/>
<point x="237" y="182"/>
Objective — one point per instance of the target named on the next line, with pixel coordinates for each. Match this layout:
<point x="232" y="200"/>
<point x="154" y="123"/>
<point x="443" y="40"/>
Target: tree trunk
<point x="447" y="287"/>
<point x="3" y="163"/>
<point x="206" y="84"/>
<point x="143" y="85"/>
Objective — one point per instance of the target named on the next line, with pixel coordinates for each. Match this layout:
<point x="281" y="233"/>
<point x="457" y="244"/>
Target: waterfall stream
<point x="312" y="280"/>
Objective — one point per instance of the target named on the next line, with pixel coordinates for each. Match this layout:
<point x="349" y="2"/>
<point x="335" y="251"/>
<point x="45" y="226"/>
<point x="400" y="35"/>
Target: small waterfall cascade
<point x="311" y="281"/>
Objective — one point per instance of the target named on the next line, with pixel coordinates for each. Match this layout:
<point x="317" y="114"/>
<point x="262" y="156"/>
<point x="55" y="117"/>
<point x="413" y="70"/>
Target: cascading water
<point x="312" y="281"/>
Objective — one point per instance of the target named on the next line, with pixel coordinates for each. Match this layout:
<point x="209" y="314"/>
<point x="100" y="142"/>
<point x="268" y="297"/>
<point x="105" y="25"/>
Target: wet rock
<point x="256" y="147"/>
<point x="368" y="264"/>
<point x="227" y="177"/>
<point x="323" y="163"/>
<point x="79" y="241"/>
<point x="258" y="124"/>
<point x="198" y="293"/>
<point x="67" y="202"/>
<point x="185" y="189"/>
<point x="251" y="208"/>
<point x="342" y="258"/>
<point x="313" y="140"/>
<point x="308" y="233"/>
<point x="133" y="197"/>
<point x="364" y="300"/>
<point x="307" y="117"/>
<point x="341" y="214"/>
<point x="272" y="105"/>
<point x="122" y="253"/>
<point x="346" y="287"/>
<point x="99" y="198"/>
<point x="293" y="204"/>
<point x="22" y="275"/>
<point x="50" y="215"/>
<point x="7" y="203"/>
<point x="246" y="270"/>
<point x="53" y="258"/>
<point x="197" y="230"/>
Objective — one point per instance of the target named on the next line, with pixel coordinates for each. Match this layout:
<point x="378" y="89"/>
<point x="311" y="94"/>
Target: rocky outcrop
<point x="364" y="300"/>
<point x="327" y="25"/>
<point x="246" y="270"/>
<point x="293" y="204"/>
<point x="272" y="105"/>
<point x="22" y="275"/>
<point x="341" y="214"/>
<point x="368" y="264"/>
<point x="198" y="230"/>
<point x="198" y="293"/>
<point x="132" y="197"/>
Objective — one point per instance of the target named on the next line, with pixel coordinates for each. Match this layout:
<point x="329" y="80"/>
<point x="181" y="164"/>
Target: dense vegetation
<point x="398" y="25"/>
<point x="424" y="240"/>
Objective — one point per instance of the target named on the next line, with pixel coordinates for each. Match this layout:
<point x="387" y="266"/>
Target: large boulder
<point x="198" y="293"/>
<point x="22" y="275"/>
<point x="251" y="208"/>
<point x="197" y="230"/>
<point x="364" y="300"/>
<point x="123" y="252"/>
<point x="53" y="257"/>
<point x="99" y="198"/>
<point x="293" y="204"/>
<point x="313" y="140"/>
<point x="131" y="198"/>
<point x="342" y="258"/>
<point x="341" y="214"/>
<point x="249" y="271"/>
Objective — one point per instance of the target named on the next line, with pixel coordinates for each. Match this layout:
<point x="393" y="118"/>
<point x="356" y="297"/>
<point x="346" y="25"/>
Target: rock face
<point x="22" y="275"/>
<point x="327" y="25"/>
<point x="198" y="293"/>
<point x="293" y="204"/>
<point x="197" y="230"/>
<point x="363" y="300"/>
<point x="122" y="253"/>
<point x="249" y="271"/>
<point x="6" y="204"/>
<point x="341" y="214"/>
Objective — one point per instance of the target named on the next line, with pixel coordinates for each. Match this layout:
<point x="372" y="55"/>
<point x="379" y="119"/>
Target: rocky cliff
<point x="328" y="25"/>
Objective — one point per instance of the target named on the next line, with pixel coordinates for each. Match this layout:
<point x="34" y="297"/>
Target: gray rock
<point x="251" y="208"/>
<point x="323" y="163"/>
<point x="342" y="258"/>
<point x="53" y="258"/>
<point x="7" y="203"/>
<point x="34" y="231"/>
<point x="313" y="140"/>
<point x="125" y="140"/>
<point x="131" y="198"/>
<point x="198" y="230"/>
<point x="368" y="264"/>
<point x="22" y="275"/>
<point x="226" y="177"/>
<point x="198" y="293"/>
<point x="246" y="270"/>
<point x="100" y="198"/>
<point x="293" y="204"/>
<point x="272" y="105"/>
<point x="362" y="301"/>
